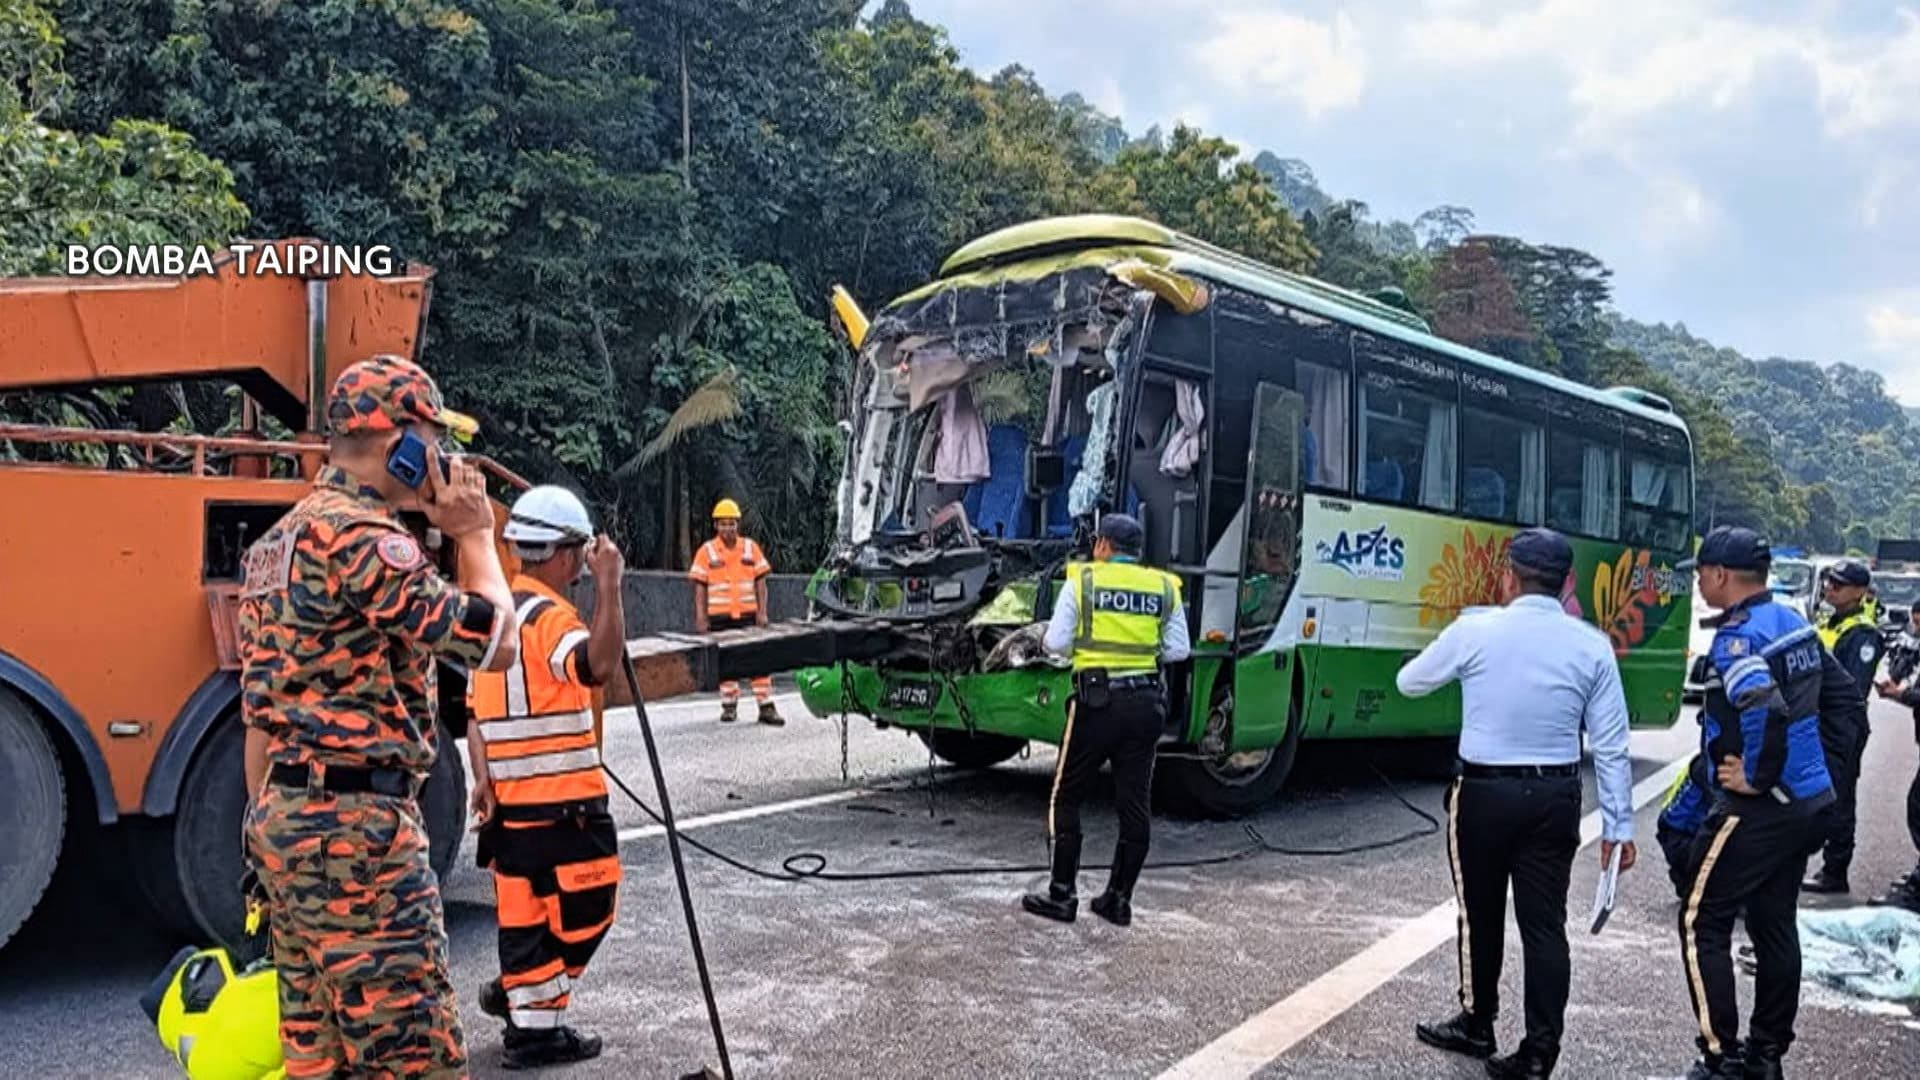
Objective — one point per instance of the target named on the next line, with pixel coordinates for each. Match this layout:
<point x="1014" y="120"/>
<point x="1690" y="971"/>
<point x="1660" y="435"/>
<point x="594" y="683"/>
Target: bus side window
<point x="1409" y="418"/>
<point x="1323" y="431"/>
<point x="1658" y="490"/>
<point x="1583" y="482"/>
<point x="1503" y="467"/>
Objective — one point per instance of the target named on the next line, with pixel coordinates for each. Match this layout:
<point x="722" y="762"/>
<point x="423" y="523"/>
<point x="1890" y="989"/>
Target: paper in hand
<point x="1608" y="887"/>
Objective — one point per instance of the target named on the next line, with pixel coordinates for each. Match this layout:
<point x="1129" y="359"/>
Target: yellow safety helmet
<point x="218" y="1023"/>
<point x="726" y="508"/>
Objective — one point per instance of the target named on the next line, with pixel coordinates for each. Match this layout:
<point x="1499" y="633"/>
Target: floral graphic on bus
<point x="1469" y="576"/>
<point x="1466" y="576"/>
<point x="1623" y="592"/>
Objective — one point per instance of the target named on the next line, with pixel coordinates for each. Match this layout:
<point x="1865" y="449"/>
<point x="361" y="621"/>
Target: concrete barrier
<point x="659" y="600"/>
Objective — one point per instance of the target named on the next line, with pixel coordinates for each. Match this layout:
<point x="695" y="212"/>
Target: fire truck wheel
<point x="33" y="813"/>
<point x="207" y="829"/>
<point x="207" y="840"/>
<point x="975" y="751"/>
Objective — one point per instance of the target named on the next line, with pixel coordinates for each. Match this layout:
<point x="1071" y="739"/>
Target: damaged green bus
<point x="1334" y="483"/>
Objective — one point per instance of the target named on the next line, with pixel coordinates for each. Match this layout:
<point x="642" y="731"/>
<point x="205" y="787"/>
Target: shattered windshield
<point x="1017" y="438"/>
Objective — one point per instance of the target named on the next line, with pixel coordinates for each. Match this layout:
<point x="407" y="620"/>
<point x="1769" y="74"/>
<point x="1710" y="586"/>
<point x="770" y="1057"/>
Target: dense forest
<point x="637" y="209"/>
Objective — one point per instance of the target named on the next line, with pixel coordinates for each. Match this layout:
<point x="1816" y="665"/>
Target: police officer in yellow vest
<point x="1852" y="634"/>
<point x="1119" y="621"/>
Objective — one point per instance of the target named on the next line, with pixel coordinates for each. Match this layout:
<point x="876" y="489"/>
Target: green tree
<point x="1196" y="185"/>
<point x="136" y="183"/>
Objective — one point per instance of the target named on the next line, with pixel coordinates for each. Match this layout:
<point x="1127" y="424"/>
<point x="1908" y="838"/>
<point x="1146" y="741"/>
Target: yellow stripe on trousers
<point x="1462" y="940"/>
<point x="1691" y="952"/>
<point x="1060" y="767"/>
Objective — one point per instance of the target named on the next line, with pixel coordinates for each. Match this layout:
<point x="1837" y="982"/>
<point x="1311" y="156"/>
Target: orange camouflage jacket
<point x="341" y="617"/>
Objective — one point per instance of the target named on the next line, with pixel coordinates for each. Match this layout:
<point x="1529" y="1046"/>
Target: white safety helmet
<point x="545" y="518"/>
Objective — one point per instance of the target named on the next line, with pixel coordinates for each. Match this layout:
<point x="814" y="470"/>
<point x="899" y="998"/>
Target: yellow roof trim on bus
<point x="1080" y="230"/>
<point x="1184" y="294"/>
<point x="1035" y="269"/>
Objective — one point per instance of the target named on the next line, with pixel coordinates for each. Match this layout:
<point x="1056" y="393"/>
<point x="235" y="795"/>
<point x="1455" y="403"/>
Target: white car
<point x="1796" y="583"/>
<point x="1699" y="643"/>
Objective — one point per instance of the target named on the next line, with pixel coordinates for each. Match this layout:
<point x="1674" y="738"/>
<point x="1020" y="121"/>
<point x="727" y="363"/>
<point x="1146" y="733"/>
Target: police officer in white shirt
<point x="1532" y="677"/>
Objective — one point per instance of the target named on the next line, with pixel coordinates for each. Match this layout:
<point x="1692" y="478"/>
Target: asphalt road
<point x="1334" y="958"/>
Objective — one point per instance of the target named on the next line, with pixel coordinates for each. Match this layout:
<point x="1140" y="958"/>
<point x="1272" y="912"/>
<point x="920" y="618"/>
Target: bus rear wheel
<point x="33" y="813"/>
<point x="1224" y="784"/>
<point x="206" y="840"/>
<point x="971" y="750"/>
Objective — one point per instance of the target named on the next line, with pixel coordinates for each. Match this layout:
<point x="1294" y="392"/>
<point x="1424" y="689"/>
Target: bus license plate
<point x="912" y="695"/>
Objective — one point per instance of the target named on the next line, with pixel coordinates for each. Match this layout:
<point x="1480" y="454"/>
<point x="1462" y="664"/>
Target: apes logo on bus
<point x="1376" y="555"/>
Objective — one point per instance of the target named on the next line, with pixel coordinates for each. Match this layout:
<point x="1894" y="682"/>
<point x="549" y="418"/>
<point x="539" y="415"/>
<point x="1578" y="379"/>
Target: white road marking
<point x="747" y="813"/>
<point x="1280" y="1027"/>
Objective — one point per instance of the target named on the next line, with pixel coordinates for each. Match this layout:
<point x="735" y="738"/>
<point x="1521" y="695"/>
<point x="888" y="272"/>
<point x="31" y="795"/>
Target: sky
<point x="1750" y="169"/>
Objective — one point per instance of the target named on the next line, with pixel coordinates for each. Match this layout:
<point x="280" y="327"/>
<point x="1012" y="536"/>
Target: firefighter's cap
<point x="383" y="392"/>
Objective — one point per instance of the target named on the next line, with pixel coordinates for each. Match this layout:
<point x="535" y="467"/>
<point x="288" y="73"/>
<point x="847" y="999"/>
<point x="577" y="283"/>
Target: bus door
<point x="1269" y="565"/>
<point x="1164" y="467"/>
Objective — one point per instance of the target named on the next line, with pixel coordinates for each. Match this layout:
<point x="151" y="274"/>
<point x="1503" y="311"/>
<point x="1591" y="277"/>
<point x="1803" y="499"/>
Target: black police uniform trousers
<point x="1844" y="745"/>
<point x="1125" y="732"/>
<point x="1522" y="830"/>
<point x="1749" y="855"/>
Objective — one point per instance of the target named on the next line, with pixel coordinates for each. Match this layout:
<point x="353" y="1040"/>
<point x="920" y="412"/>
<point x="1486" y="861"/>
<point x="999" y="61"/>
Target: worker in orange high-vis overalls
<point x="538" y="791"/>
<point x="730" y="592"/>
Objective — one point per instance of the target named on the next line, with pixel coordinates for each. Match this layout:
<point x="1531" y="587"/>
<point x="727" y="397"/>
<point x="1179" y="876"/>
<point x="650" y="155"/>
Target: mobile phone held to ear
<point x="408" y="461"/>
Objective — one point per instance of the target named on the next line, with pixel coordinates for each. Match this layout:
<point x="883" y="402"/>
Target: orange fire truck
<point x="120" y="556"/>
<point x="119" y="698"/>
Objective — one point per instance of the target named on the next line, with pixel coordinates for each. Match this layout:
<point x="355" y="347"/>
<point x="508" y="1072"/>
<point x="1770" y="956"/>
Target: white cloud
<point x="1891" y="328"/>
<point x="1888" y="180"/>
<point x="1634" y="60"/>
<point x="1875" y="85"/>
<point x="1676" y="213"/>
<point x="1320" y="65"/>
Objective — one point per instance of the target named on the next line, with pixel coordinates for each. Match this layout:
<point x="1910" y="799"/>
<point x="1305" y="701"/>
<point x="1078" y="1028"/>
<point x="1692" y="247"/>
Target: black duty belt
<point x="1135" y="682"/>
<point x="347" y="780"/>
<point x="1516" y="772"/>
<point x="553" y="811"/>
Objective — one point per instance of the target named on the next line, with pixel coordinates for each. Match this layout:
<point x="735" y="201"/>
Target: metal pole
<point x="679" y="867"/>
<point x="317" y="355"/>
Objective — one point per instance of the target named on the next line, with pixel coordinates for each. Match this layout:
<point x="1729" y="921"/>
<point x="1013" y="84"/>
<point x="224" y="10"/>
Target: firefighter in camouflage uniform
<point x="342" y="617"/>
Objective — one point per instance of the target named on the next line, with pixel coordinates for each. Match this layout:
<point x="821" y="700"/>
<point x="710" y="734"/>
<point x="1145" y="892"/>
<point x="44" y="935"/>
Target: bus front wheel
<point x="1225" y="784"/>
<point x="970" y="750"/>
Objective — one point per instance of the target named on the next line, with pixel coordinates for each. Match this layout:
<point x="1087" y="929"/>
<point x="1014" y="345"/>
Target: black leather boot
<point x="1464" y="1034"/>
<point x="1762" y="1062"/>
<point x="1826" y="881"/>
<point x="1058" y="904"/>
<point x="1529" y="1062"/>
<point x="493" y="999"/>
<point x="1904" y="894"/>
<point x="1716" y="1067"/>
<point x="539" y="1049"/>
<point x="1114" y="908"/>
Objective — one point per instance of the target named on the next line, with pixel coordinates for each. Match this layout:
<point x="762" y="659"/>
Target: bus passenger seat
<point x="999" y="503"/>
<point x="1385" y="480"/>
<point x="1486" y="493"/>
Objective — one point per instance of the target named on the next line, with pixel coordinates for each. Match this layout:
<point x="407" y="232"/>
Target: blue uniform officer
<point x="1760" y="741"/>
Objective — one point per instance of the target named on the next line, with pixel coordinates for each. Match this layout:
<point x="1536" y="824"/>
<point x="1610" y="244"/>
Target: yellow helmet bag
<point x="218" y="1023"/>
